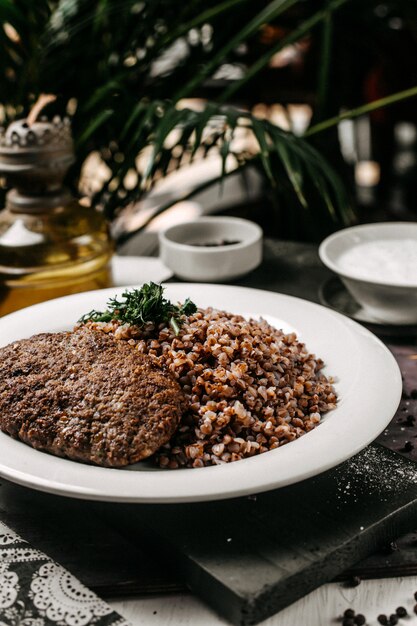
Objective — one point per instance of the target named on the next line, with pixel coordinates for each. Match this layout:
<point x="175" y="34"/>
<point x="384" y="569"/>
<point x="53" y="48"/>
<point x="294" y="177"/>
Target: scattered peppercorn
<point x="389" y="548"/>
<point x="354" y="581"/>
<point x="350" y="618"/>
<point x="410" y="421"/>
<point x="408" y="446"/>
<point x="413" y="394"/>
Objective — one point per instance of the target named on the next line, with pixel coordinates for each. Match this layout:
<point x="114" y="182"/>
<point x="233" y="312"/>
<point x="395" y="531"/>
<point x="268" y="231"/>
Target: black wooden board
<point x="250" y="557"/>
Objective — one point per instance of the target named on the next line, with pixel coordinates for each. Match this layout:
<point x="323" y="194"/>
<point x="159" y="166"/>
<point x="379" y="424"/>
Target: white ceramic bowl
<point x="374" y="276"/>
<point x="183" y="249"/>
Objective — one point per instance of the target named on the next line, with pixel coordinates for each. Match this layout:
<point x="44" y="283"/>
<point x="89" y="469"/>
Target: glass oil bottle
<point x="50" y="245"/>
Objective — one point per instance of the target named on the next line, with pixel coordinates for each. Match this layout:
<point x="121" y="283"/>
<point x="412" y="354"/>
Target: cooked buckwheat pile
<point x="251" y="388"/>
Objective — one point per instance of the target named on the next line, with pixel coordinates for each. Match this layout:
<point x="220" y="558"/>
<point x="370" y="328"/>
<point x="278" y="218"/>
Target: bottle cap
<point x="35" y="157"/>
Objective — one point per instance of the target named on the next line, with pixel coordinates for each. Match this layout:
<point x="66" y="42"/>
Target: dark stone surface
<point x="283" y="543"/>
<point x="289" y="267"/>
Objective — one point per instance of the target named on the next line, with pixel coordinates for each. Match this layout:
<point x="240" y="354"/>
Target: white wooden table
<point x="319" y="608"/>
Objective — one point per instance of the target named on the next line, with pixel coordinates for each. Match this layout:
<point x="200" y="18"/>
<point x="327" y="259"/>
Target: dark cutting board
<point x="250" y="557"/>
<point x="247" y="557"/>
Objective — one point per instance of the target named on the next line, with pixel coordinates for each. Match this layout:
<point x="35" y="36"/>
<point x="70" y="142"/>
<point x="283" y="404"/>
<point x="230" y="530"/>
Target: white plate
<point x="368" y="385"/>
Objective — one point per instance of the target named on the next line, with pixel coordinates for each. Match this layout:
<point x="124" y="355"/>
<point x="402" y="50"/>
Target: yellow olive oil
<point x="47" y="255"/>
<point x="50" y="245"/>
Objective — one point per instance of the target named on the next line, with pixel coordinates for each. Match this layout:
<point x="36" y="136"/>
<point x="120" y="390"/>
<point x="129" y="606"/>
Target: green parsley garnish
<point x="143" y="305"/>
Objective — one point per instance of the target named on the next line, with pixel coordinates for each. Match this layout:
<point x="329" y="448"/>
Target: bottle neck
<point x="19" y="201"/>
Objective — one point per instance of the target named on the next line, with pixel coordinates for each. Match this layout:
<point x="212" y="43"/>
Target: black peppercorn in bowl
<point x="212" y="249"/>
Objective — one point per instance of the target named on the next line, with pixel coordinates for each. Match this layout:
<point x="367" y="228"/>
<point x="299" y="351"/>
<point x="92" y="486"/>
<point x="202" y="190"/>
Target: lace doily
<point x="36" y="591"/>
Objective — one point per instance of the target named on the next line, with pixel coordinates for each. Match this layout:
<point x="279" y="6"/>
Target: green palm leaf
<point x="108" y="57"/>
<point x="302" y="164"/>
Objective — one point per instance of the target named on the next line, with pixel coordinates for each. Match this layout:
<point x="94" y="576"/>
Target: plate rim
<point x="231" y="471"/>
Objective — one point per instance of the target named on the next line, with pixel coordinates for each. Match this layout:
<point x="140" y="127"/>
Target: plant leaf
<point x="271" y="11"/>
<point x="293" y="168"/>
<point x="94" y="125"/>
<point x="298" y="33"/>
<point x="260" y="130"/>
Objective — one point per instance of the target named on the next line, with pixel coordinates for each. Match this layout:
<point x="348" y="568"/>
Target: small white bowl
<point x="183" y="249"/>
<point x="373" y="276"/>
